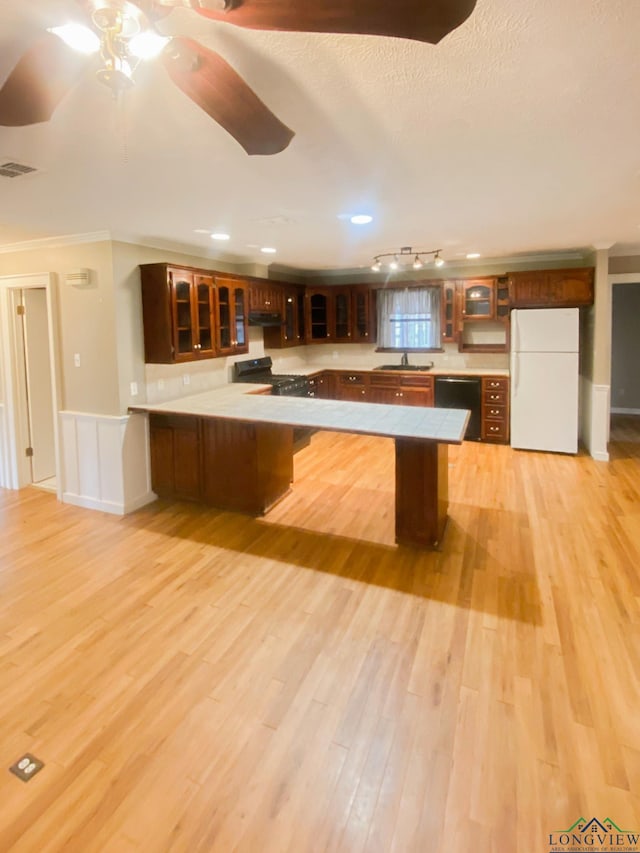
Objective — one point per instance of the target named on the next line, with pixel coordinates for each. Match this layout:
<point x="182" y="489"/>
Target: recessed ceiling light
<point x="268" y="250"/>
<point x="219" y="235"/>
<point x="361" y="219"/>
<point x="200" y="230"/>
<point x="473" y="255"/>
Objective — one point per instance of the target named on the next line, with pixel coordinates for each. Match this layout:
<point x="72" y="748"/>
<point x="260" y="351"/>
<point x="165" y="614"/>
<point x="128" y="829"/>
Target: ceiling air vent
<point x="10" y="169"/>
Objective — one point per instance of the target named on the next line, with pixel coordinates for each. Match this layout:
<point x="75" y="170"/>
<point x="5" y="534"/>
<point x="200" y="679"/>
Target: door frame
<point x="12" y="429"/>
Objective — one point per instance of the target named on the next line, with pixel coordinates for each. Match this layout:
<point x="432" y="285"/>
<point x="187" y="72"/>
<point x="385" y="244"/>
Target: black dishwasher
<point x="461" y="392"/>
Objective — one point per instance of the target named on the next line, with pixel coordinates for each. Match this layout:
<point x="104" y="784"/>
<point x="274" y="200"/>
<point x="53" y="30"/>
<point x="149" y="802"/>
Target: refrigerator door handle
<point x="514" y="320"/>
<point x="516" y="372"/>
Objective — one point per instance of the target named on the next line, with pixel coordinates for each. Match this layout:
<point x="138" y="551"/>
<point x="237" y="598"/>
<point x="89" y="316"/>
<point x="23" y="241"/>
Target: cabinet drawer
<point x="351" y="379"/>
<point x="494" y="430"/>
<point x="499" y="397"/>
<point x="494" y="412"/>
<point x="492" y="383"/>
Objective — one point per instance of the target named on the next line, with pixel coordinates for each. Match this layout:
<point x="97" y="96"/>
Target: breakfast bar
<point x="234" y="451"/>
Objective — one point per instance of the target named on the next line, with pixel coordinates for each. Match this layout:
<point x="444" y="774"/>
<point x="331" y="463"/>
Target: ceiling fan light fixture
<point x="148" y="44"/>
<point x="78" y="37"/>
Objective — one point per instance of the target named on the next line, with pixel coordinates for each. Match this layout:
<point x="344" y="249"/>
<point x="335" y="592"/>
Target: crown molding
<point x="56" y="242"/>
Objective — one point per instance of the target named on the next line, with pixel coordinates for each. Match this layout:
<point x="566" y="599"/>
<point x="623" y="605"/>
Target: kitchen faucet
<point x="404" y="361"/>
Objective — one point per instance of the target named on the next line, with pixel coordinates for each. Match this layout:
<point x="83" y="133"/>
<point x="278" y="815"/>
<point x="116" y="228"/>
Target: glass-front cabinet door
<point x="205" y="315"/>
<point x="232" y="331"/>
<point x="479" y="299"/>
<point x="342" y="315"/>
<point x="182" y="305"/>
<point x="240" y="318"/>
<point x="362" y="315"/>
<point x="317" y="315"/>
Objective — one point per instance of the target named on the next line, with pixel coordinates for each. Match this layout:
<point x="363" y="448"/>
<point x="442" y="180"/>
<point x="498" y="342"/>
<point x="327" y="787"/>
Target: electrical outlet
<point x="186" y="379"/>
<point x="134" y="389"/>
<point x="160" y="384"/>
<point x="76" y="359"/>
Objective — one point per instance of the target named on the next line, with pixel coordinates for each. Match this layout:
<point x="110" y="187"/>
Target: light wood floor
<point x="202" y="681"/>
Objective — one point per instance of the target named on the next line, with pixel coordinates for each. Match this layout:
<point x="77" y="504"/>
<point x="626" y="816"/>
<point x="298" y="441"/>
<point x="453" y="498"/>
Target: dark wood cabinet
<point x="321" y="386"/>
<point x="565" y="288"/>
<point x="340" y="315"/>
<point x="495" y="409"/>
<point x="232" y="321"/>
<point x="351" y="386"/>
<point x="363" y="312"/>
<point x="478" y="299"/>
<point x="449" y="312"/>
<point x="266" y="295"/>
<point x="175" y="456"/>
<point x="400" y="390"/>
<point x="292" y="332"/>
<point x="178" y="308"/>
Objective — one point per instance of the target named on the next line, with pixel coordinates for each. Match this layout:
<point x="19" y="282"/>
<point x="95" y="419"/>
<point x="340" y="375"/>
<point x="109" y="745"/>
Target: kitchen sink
<point x="404" y="367"/>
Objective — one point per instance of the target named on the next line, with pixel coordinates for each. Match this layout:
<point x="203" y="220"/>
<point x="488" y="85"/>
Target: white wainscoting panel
<point x="4" y="480"/>
<point x="105" y="461"/>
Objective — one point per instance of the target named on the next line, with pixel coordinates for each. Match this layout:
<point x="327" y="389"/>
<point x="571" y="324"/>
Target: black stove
<point x="258" y="370"/>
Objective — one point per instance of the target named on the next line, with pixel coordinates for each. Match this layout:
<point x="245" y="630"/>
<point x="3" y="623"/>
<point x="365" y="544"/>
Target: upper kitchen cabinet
<point x="265" y="297"/>
<point x="291" y="332"/>
<point x="566" y="288"/>
<point x="232" y="316"/>
<point x="363" y="313"/>
<point x="178" y="309"/>
<point x="341" y="315"/>
<point x="449" y="309"/>
<point x="328" y="315"/>
<point x="479" y="299"/>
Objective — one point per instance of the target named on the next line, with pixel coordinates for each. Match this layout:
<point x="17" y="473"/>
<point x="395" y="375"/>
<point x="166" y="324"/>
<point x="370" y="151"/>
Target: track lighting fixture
<point x="401" y="258"/>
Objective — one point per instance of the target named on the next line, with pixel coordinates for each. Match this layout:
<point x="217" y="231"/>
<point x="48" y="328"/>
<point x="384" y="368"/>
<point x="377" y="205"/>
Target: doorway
<point x="30" y="452"/>
<point x="625" y="357"/>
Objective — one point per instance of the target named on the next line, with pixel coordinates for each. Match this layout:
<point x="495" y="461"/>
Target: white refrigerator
<point x="545" y="379"/>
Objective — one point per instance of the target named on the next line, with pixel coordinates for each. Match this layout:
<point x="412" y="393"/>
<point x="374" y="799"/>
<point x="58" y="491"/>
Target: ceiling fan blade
<point x="422" y="20"/>
<point x="40" y="80"/>
<point x="211" y="83"/>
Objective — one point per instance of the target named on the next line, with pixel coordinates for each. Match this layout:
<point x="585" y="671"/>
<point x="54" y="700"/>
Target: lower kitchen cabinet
<point x="403" y="390"/>
<point x="321" y="386"/>
<point x="175" y="456"/>
<point x="246" y="467"/>
<point x="351" y="386"/>
<point x="495" y="409"/>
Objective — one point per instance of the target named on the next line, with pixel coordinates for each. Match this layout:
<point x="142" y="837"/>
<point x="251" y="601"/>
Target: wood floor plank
<point x="197" y="680"/>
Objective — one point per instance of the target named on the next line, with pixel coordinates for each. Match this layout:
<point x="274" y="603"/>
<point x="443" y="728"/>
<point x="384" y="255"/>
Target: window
<point x="409" y="319"/>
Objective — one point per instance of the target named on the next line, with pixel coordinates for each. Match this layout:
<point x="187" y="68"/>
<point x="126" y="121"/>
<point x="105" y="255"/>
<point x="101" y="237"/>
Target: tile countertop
<point x="310" y="369"/>
<point x="235" y="402"/>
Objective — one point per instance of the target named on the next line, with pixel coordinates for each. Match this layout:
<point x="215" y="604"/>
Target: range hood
<point x="265" y="318"/>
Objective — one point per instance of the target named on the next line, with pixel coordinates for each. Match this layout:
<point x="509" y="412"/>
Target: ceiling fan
<point x="124" y="31"/>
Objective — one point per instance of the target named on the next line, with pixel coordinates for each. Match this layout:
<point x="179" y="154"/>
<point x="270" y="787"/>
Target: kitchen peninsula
<point x="233" y="449"/>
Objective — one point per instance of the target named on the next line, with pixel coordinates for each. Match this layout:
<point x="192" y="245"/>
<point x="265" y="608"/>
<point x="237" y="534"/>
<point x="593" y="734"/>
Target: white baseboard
<point x="600" y="457"/>
<point x="618" y="411"/>
<point x="108" y="506"/>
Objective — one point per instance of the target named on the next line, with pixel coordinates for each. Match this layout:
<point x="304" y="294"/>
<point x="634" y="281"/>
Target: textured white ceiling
<point x="518" y="133"/>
